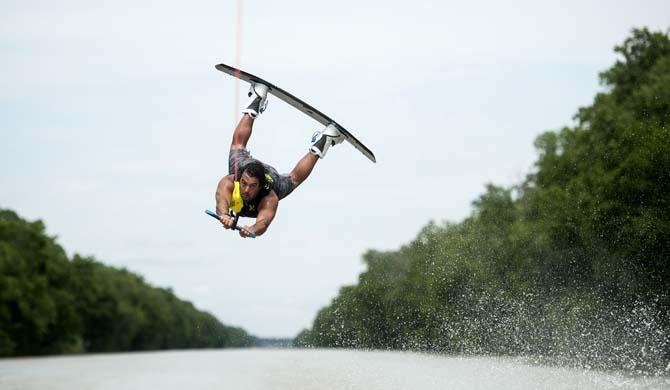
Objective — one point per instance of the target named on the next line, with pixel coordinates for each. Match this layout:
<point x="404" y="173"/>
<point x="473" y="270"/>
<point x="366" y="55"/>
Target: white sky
<point x="115" y="128"/>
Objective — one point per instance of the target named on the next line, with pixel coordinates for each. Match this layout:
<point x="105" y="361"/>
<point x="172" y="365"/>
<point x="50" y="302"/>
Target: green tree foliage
<point x="607" y="179"/>
<point x="36" y="314"/>
<point x="572" y="264"/>
<point x="50" y="304"/>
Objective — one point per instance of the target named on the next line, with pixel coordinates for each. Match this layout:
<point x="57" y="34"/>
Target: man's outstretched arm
<point x="224" y="195"/>
<point x="266" y="213"/>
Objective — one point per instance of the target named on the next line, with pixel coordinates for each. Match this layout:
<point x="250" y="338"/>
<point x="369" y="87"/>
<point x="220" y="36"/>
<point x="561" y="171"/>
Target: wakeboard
<point x="300" y="105"/>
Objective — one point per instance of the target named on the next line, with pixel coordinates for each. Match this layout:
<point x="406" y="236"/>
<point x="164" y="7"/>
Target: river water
<point x="249" y="369"/>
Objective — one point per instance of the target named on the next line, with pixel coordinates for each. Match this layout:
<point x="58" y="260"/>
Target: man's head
<point x="252" y="180"/>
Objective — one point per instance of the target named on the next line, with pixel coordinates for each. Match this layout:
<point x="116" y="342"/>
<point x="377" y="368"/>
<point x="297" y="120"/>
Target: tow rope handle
<point x="235" y="218"/>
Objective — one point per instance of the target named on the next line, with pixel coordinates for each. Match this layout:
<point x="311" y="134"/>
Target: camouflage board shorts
<point x="238" y="158"/>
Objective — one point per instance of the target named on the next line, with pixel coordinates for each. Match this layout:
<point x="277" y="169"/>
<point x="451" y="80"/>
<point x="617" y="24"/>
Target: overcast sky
<point x="115" y="128"/>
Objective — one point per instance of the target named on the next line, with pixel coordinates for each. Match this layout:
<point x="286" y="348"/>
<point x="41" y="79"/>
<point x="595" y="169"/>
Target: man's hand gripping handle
<point x="228" y="221"/>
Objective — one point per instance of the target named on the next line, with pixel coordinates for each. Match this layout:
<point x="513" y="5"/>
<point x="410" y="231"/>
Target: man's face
<point x="249" y="187"/>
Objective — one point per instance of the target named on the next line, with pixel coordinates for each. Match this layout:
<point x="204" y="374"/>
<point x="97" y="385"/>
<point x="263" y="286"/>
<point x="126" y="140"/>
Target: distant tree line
<point x="50" y="304"/>
<point x="572" y="264"/>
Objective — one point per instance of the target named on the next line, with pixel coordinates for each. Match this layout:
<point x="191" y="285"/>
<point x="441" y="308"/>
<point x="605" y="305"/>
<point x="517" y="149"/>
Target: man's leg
<point x="256" y="105"/>
<point x="242" y="132"/>
<point x="321" y="142"/>
<point x="303" y="168"/>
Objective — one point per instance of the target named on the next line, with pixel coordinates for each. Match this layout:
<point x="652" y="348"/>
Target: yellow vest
<point x="236" y="201"/>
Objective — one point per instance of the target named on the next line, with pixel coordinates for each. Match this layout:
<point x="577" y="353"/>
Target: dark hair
<point x="257" y="170"/>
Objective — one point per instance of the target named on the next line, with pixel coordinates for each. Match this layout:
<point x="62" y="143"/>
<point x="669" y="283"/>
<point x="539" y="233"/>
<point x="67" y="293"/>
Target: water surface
<point x="300" y="369"/>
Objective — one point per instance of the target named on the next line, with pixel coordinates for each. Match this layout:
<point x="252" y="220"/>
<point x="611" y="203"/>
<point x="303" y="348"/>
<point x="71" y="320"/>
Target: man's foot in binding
<point x="258" y="95"/>
<point x="323" y="140"/>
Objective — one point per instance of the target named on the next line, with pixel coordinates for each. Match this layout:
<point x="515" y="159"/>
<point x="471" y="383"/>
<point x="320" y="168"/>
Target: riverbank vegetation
<point x="570" y="265"/>
<point x="52" y="304"/>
